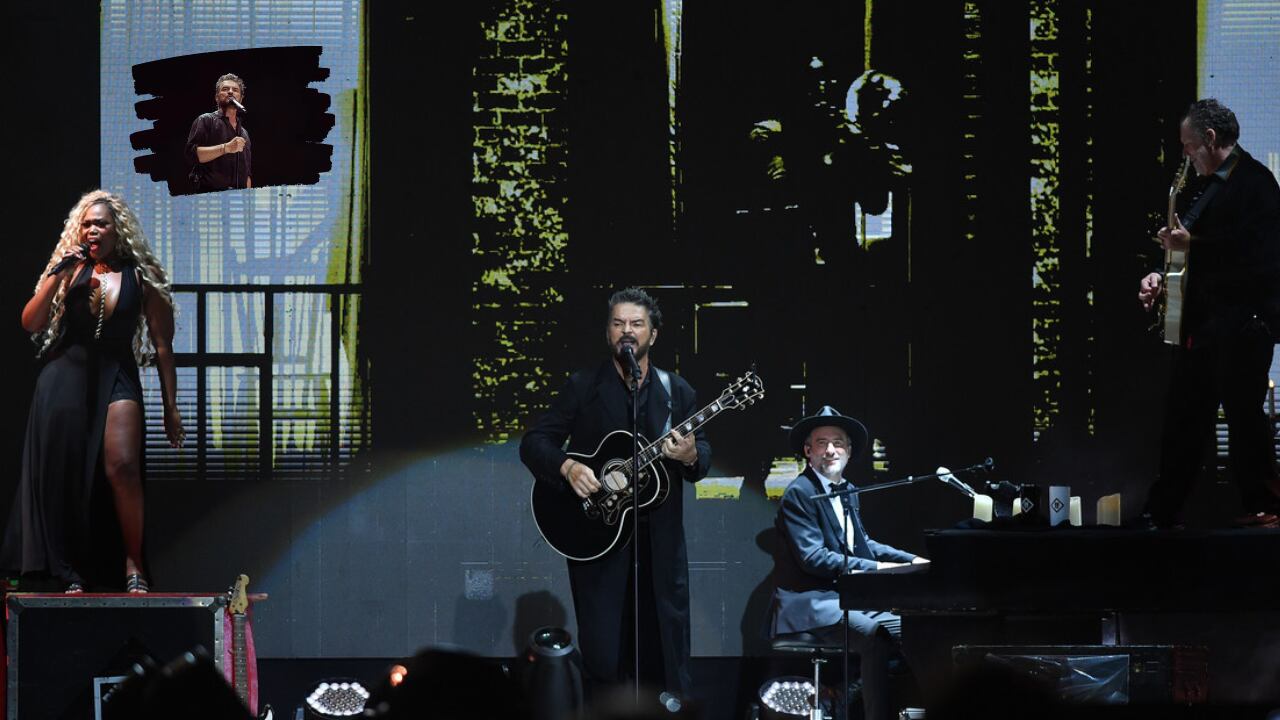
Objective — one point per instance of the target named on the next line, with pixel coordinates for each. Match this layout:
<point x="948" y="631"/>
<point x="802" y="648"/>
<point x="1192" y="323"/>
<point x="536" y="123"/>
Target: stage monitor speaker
<point x="67" y="651"/>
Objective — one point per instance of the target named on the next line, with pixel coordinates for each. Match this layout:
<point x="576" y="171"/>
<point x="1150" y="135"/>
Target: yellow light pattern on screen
<point x="1045" y="215"/>
<point x="971" y="59"/>
<point x="672" y="17"/>
<point x="518" y="161"/>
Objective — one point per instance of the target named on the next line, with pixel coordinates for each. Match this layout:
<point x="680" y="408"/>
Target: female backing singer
<point x="102" y="308"/>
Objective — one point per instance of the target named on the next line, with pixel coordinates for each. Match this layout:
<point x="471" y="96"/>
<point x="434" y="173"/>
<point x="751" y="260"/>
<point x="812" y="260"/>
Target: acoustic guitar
<point x="585" y="529"/>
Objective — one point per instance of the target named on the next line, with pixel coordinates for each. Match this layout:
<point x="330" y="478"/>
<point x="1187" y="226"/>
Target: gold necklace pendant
<point x="102" y="306"/>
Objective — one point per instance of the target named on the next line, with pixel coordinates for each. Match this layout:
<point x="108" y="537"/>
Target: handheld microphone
<point x="629" y="353"/>
<point x="69" y="260"/>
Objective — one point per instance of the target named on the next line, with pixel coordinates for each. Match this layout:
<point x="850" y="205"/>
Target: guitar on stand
<point x="586" y="529"/>
<point x="1175" y="268"/>
<point x="242" y="681"/>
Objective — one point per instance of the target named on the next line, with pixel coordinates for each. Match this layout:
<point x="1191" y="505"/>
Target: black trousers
<point x="875" y="637"/>
<point x="1233" y="373"/>
<point x="602" y="603"/>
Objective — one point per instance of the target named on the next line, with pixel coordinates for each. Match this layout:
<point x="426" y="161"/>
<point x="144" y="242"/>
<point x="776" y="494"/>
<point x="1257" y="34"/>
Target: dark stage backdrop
<point x="932" y="216"/>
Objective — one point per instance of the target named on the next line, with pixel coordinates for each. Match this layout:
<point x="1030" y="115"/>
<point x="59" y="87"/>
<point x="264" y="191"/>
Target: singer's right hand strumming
<point x="580" y="477"/>
<point x="1149" y="289"/>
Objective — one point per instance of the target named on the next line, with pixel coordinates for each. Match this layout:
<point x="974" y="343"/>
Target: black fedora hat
<point x="829" y="416"/>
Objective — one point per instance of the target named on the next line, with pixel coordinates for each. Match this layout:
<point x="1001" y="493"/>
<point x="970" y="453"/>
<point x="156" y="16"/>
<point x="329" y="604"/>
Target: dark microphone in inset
<point x="629" y="353"/>
<point x="69" y="260"/>
<point x="237" y="104"/>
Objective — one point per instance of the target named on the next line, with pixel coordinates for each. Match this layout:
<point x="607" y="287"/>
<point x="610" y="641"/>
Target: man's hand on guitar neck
<point x="681" y="447"/>
<point x="1175" y="238"/>
<point x="580" y="477"/>
<point x="1149" y="289"/>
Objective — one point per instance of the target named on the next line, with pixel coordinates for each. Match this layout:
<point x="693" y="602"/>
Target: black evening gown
<point x="63" y="526"/>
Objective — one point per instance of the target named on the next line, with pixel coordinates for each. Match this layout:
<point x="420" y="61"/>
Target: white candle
<point x="1016" y="509"/>
<point x="982" y="507"/>
<point x="1075" y="511"/>
<point x="1109" y="510"/>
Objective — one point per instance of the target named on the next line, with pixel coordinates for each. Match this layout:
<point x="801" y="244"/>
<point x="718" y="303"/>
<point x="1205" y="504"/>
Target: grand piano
<point x="1199" y="612"/>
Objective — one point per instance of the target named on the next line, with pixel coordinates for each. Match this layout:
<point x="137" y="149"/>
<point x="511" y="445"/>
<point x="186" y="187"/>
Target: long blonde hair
<point x="131" y="245"/>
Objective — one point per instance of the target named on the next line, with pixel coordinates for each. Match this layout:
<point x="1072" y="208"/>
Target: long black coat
<point x="593" y="403"/>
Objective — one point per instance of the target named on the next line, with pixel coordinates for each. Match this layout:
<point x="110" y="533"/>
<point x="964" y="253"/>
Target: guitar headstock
<point x="743" y="392"/>
<point x="1180" y="179"/>
<point x="238" y="596"/>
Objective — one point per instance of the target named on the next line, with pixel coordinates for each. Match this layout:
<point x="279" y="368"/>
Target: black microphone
<point x="630" y="354"/>
<point x="237" y="104"/>
<point x="69" y="260"/>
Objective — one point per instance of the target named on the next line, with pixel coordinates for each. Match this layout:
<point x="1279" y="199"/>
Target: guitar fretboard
<point x="240" y="662"/>
<point x="653" y="450"/>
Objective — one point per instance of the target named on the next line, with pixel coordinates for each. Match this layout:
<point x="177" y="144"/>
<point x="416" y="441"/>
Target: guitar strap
<point x="665" y="379"/>
<point x="1199" y="205"/>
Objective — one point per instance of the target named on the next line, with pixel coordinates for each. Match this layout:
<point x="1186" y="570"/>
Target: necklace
<point x="102" y="303"/>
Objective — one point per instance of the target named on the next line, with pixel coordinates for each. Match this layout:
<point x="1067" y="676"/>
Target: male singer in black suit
<point x="595" y="402"/>
<point x="1231" y="320"/>
<point x="218" y="145"/>
<point x="820" y="540"/>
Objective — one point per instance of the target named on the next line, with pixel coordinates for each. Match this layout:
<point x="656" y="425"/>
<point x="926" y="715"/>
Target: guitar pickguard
<point x="616" y="491"/>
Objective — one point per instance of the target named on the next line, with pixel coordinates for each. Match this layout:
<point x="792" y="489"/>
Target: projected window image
<point x="271" y="378"/>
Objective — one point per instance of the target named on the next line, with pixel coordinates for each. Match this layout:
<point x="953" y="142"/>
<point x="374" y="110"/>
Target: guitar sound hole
<point x="615" y="481"/>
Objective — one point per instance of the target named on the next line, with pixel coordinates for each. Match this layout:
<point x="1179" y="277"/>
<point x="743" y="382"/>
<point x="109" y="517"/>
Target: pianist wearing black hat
<point x="809" y="556"/>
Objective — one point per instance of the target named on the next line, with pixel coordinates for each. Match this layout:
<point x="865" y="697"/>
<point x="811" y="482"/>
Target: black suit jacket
<point x="594" y="403"/>
<point x="808" y="559"/>
<point x="1234" y="261"/>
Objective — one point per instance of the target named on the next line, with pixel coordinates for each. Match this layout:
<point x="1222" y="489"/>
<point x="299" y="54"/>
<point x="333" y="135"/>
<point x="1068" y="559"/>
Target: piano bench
<point x="819" y="649"/>
<point x="805" y="643"/>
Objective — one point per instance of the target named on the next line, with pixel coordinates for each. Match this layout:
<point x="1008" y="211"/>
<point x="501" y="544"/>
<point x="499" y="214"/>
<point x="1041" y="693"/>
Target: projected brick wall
<point x="520" y="158"/>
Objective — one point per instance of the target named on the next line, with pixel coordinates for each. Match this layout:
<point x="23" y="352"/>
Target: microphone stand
<point x="235" y="176"/>
<point x="844" y="566"/>
<point x="635" y="520"/>
<point x="235" y="182"/>
<point x="909" y="480"/>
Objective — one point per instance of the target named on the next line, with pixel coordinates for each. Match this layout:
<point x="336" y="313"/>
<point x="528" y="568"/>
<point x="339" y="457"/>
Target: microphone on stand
<point x="945" y="476"/>
<point x="629" y="353"/>
<point x="69" y="260"/>
<point x="237" y="104"/>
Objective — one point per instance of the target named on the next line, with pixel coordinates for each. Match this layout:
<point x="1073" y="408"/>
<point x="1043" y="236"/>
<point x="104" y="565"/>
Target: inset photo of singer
<point x="218" y="146"/>
<point x="208" y="134"/>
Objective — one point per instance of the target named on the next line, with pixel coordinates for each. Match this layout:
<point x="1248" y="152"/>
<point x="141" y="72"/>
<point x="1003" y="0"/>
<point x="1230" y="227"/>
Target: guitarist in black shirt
<point x="593" y="403"/>
<point x="1231" y="320"/>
